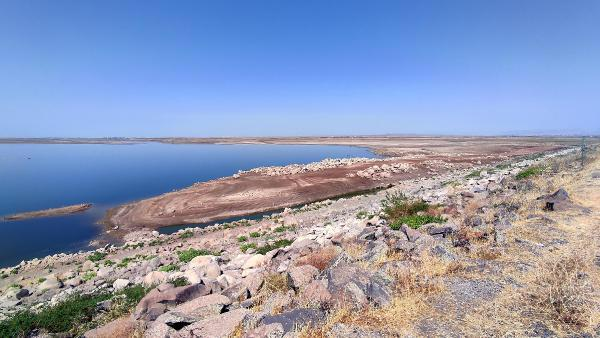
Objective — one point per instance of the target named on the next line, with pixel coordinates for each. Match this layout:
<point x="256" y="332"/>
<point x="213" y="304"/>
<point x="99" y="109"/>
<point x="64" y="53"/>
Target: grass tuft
<point x="186" y="256"/>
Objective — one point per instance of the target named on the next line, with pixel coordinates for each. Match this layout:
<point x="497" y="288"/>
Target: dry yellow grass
<point x="560" y="288"/>
<point x="319" y="259"/>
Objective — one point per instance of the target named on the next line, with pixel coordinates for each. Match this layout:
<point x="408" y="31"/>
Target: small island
<point x="71" y="209"/>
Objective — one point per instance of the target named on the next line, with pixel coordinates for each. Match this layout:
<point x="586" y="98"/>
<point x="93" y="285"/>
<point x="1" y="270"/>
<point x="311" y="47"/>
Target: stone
<point x="254" y="282"/>
<point x="316" y="293"/>
<point x="295" y="318"/>
<point x="88" y="265"/>
<point x="51" y="283"/>
<point x="174" y="295"/>
<point x="237" y="293"/>
<point x="105" y="272"/>
<point x="22" y="293"/>
<point x="201" y="261"/>
<point x="122" y="327"/>
<point x="300" y="276"/>
<point x="255" y="261"/>
<point x="411" y="233"/>
<point x="404" y="246"/>
<point x="443" y="231"/>
<point x="193" y="276"/>
<point x="212" y="270"/>
<point x="378" y="293"/>
<point x="226" y="280"/>
<point x="155" y="278"/>
<point x="120" y="284"/>
<point x="203" y="306"/>
<point x="376" y="251"/>
<point x="73" y="282"/>
<point x="217" y="326"/>
<point x="266" y="331"/>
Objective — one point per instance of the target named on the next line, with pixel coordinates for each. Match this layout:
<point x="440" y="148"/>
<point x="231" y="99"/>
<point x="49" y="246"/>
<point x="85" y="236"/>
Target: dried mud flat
<point x="276" y="188"/>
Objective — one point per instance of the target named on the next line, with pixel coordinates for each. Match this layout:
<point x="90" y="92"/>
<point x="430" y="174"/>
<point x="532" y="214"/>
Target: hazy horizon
<point x="269" y="68"/>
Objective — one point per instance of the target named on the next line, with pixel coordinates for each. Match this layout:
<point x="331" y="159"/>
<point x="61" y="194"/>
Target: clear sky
<point x="241" y="68"/>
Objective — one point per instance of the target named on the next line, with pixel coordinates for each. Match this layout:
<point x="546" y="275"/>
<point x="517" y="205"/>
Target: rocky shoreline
<point x="290" y="272"/>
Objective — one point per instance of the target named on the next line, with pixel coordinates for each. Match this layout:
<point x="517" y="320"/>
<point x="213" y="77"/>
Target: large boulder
<point x="155" y="278"/>
<point x="217" y="326"/>
<point x="157" y="300"/>
<point x="300" y="276"/>
<point x="120" y="284"/>
<point x="295" y="318"/>
<point x="203" y="306"/>
<point x="201" y="261"/>
<point x="122" y="327"/>
<point x="255" y="261"/>
<point x="51" y="282"/>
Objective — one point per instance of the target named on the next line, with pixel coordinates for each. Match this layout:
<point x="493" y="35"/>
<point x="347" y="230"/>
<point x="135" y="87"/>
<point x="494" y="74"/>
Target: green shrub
<point x="41" y="280"/>
<point x="244" y="247"/>
<point x="67" y="316"/>
<point x="255" y="234"/>
<point x="108" y="262"/>
<point x="362" y="215"/>
<point x="155" y="242"/>
<point x="395" y="206"/>
<point x="96" y="256"/>
<point x="187" y="255"/>
<point x="88" y="276"/>
<point x="474" y="174"/>
<point x="180" y="281"/>
<point x="531" y="171"/>
<point x="186" y="234"/>
<point x="416" y="221"/>
<point x="277" y="244"/>
<point x="242" y="239"/>
<point x="124" y="262"/>
<point x="169" y="268"/>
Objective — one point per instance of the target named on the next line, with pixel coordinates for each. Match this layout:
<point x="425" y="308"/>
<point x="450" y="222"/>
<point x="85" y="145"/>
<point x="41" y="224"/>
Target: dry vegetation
<point x="546" y="287"/>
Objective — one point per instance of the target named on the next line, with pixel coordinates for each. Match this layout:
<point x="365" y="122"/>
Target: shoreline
<point x="61" y="211"/>
<point x="263" y="190"/>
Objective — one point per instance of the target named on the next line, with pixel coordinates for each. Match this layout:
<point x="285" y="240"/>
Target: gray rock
<point x="218" y="326"/>
<point x="50" y="283"/>
<point x="22" y="293"/>
<point x="411" y="233"/>
<point x="156" y="300"/>
<point x="203" y="306"/>
<point x="404" y="246"/>
<point x="120" y="284"/>
<point x="237" y="293"/>
<point x="274" y="330"/>
<point x="295" y="318"/>
<point x="300" y="276"/>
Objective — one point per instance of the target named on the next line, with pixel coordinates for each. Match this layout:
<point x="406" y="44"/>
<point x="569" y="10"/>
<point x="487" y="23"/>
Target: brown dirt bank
<point x="257" y="192"/>
<point x="71" y="209"/>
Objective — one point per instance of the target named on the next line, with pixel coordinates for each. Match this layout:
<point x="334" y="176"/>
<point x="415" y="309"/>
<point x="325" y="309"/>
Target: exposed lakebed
<point x="41" y="176"/>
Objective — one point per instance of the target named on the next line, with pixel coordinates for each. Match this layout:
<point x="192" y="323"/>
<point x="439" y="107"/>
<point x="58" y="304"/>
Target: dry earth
<point x="260" y="191"/>
<point x="501" y="263"/>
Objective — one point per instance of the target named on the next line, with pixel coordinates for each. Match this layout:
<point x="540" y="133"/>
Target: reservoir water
<point x="41" y="176"/>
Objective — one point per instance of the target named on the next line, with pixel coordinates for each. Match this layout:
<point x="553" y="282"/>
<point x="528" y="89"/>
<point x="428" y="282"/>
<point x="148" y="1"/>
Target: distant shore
<point x="265" y="189"/>
<point x="71" y="209"/>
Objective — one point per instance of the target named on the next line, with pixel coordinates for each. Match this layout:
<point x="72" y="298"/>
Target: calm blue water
<point x="41" y="176"/>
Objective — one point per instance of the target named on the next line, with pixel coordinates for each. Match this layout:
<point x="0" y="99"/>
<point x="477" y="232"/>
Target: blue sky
<point x="243" y="68"/>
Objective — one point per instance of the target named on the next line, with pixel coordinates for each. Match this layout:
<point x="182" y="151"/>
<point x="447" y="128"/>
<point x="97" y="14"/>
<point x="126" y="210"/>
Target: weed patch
<point x="529" y="172"/>
<point x="276" y="245"/>
<point x="96" y="256"/>
<point x="186" y="256"/>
